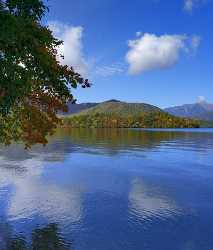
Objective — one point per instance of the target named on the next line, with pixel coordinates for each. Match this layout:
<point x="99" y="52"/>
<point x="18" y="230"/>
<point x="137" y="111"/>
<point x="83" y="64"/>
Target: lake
<point x="102" y="189"/>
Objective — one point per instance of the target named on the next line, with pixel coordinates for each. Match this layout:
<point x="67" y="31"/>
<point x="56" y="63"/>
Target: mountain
<point x="76" y="108"/>
<point x="112" y="106"/>
<point x="201" y="110"/>
<point x="117" y="114"/>
<point x="118" y="108"/>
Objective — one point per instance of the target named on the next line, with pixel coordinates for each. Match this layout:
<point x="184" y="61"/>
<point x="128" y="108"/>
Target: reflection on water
<point x="145" y="203"/>
<point x="109" y="189"/>
<point x="41" y="238"/>
<point x="119" y="139"/>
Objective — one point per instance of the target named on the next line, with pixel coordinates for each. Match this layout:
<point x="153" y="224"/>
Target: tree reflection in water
<point x="47" y="238"/>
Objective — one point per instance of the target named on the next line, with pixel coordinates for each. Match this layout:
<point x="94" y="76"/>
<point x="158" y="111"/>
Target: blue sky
<point x="154" y="51"/>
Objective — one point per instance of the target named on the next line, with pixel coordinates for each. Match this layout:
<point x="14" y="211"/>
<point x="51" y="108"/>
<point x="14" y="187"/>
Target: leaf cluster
<point x="34" y="86"/>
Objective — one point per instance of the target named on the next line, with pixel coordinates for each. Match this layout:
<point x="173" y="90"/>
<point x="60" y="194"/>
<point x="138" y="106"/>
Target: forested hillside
<point x="147" y="120"/>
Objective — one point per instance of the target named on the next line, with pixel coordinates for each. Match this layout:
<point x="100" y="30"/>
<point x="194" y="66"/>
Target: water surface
<point x="109" y="190"/>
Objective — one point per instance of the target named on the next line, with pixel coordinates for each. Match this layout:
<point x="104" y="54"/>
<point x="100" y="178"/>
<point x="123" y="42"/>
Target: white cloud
<point x="195" y="42"/>
<point x="201" y="99"/>
<point x="189" y="5"/>
<point x="72" y="47"/>
<point x="152" y="52"/>
<point x="139" y="33"/>
<point x="113" y="69"/>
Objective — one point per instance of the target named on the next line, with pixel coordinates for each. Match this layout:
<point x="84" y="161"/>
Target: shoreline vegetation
<point x="118" y="114"/>
<point x="146" y="120"/>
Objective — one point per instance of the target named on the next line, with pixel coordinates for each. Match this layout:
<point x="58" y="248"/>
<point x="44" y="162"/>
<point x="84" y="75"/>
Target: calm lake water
<point x="109" y="190"/>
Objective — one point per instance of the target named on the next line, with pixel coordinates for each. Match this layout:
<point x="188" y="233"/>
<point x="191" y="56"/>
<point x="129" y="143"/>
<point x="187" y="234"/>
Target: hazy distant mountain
<point x="201" y="110"/>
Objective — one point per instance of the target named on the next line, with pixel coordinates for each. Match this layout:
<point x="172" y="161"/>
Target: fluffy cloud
<point x="151" y="52"/>
<point x="72" y="47"/>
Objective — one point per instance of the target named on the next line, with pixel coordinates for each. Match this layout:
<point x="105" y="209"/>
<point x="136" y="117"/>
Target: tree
<point x="34" y="86"/>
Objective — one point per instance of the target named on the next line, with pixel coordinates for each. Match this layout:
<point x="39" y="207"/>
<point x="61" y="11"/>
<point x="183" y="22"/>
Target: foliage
<point x="34" y="86"/>
<point x="116" y="114"/>
<point x="117" y="108"/>
<point x="206" y="124"/>
<point x="146" y="120"/>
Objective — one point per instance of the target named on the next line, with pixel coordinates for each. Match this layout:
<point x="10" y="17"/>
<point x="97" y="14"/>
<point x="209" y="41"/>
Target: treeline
<point x="148" y="120"/>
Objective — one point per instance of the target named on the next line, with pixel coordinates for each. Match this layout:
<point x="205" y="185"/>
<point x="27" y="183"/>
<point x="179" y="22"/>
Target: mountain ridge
<point x="200" y="110"/>
<point x="119" y="108"/>
<point x="117" y="114"/>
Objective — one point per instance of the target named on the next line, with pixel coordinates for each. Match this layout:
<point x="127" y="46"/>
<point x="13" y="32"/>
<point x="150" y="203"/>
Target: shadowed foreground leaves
<point x="34" y="86"/>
